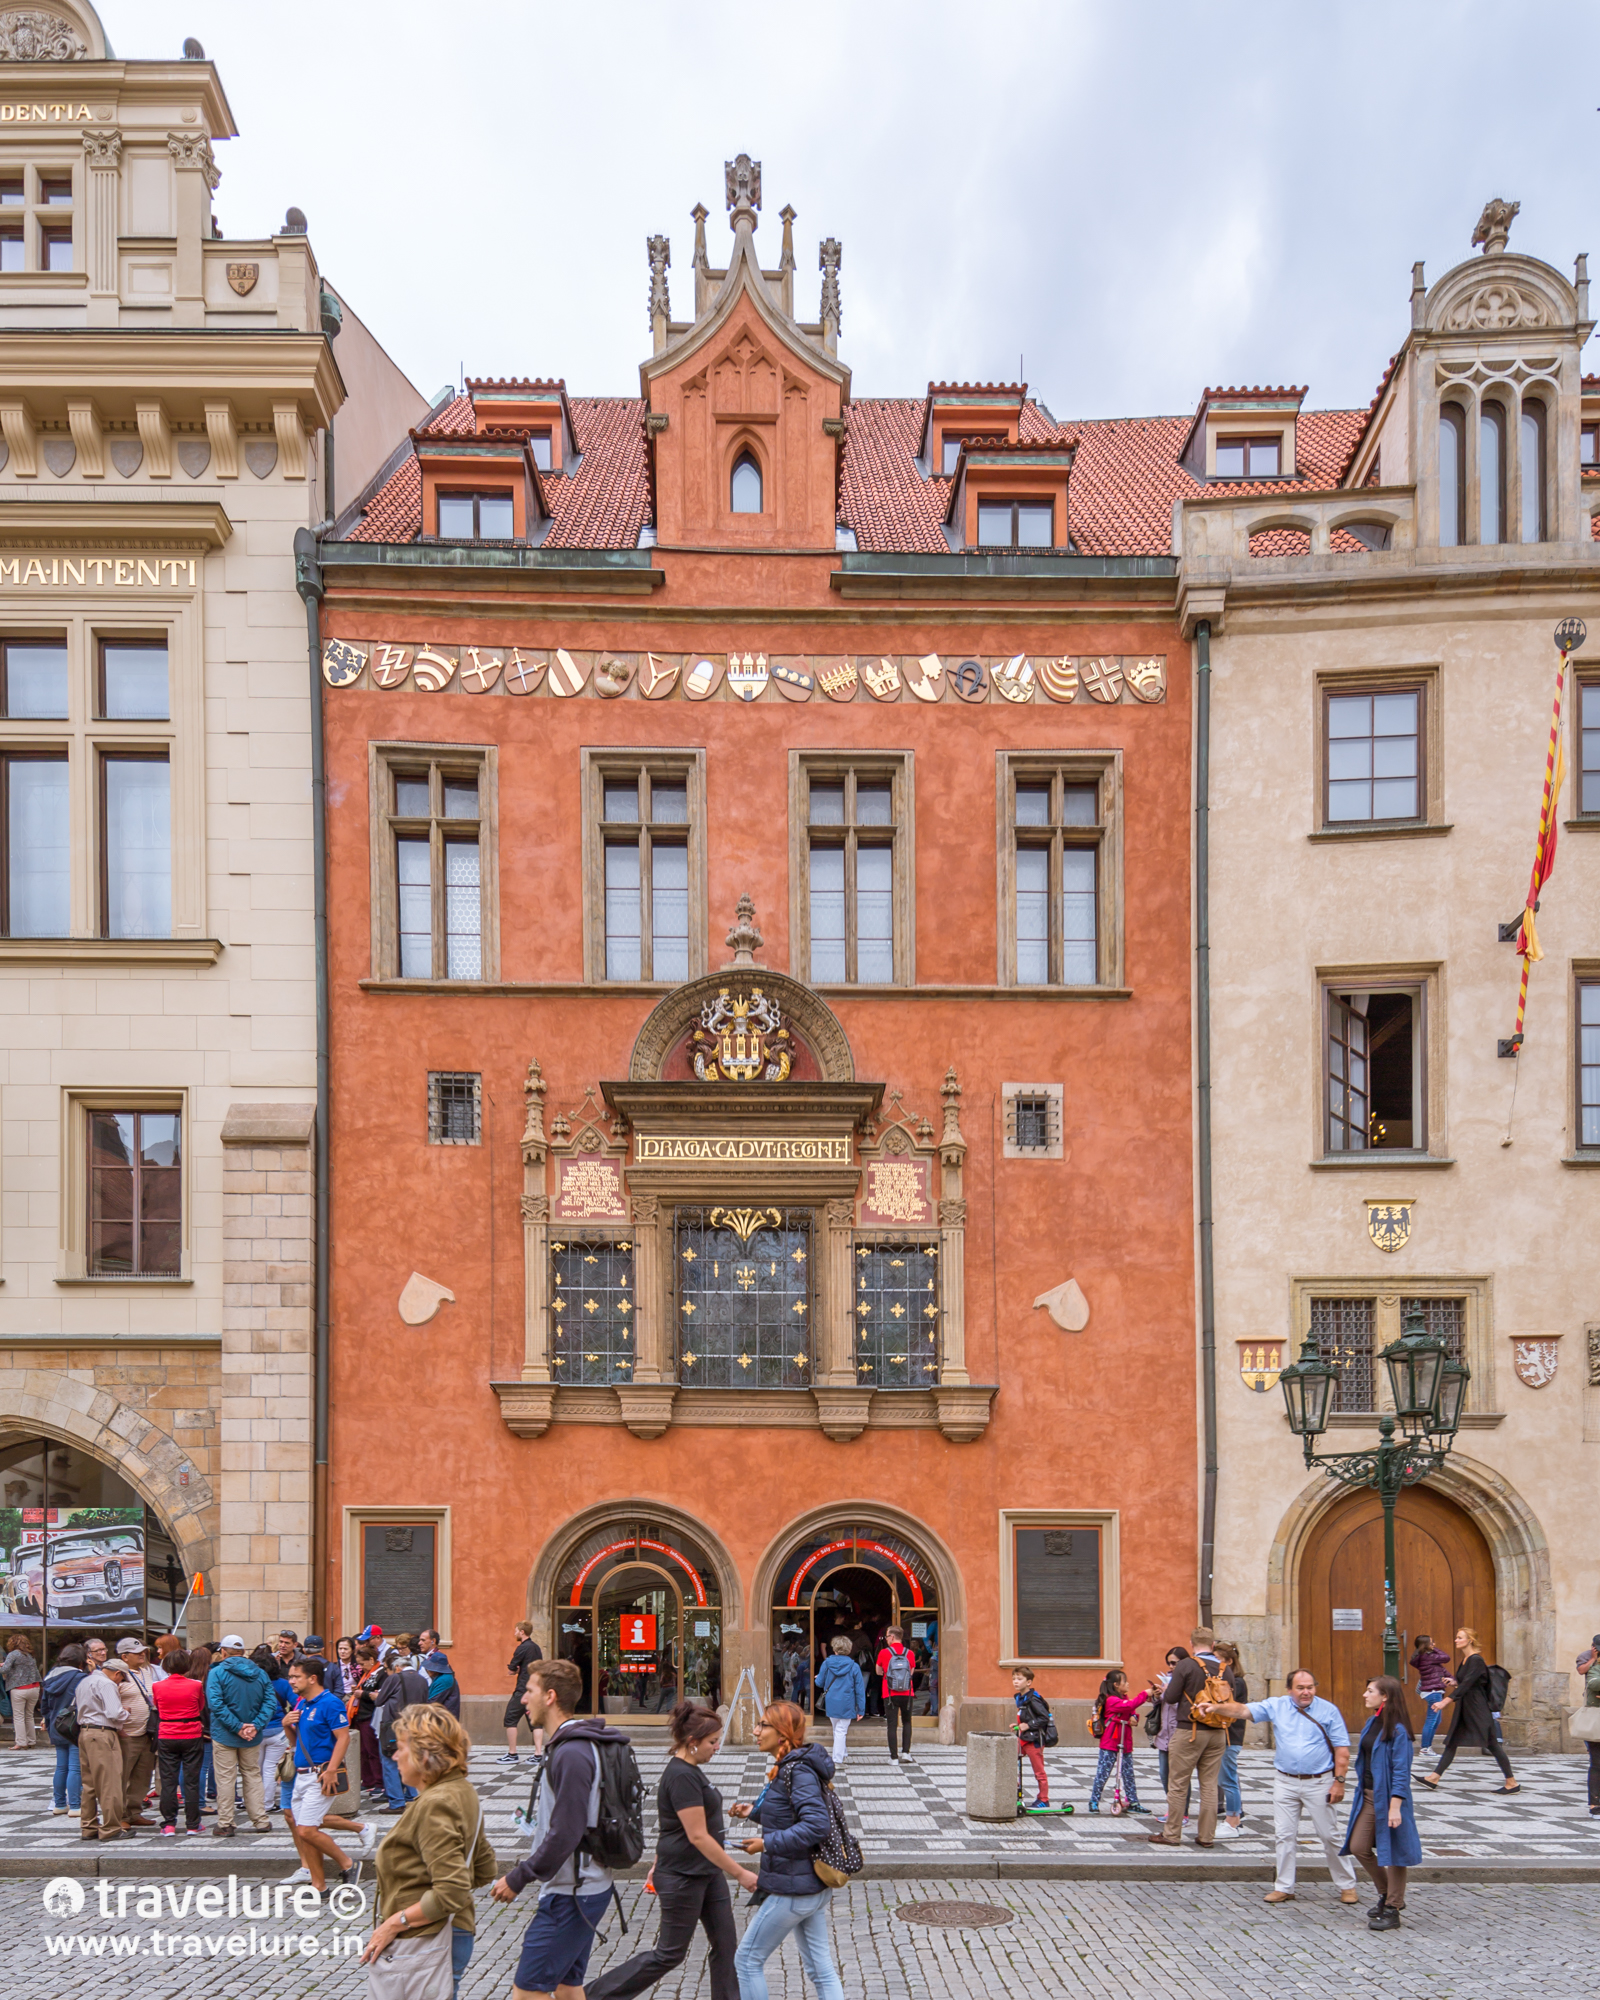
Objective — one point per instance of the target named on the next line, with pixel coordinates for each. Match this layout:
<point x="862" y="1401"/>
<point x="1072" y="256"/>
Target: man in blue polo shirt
<point x="320" y="1729"/>
<point x="1311" y="1752"/>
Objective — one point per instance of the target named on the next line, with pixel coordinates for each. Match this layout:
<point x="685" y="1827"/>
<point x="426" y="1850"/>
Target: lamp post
<point x="1428" y="1388"/>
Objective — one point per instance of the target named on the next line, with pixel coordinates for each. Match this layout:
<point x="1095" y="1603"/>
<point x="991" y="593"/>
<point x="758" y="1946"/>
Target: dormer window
<point x="1016" y="524"/>
<point x="744" y="492"/>
<point x="539" y="445"/>
<point x="1249" y="457"/>
<point x="954" y="440"/>
<point x="476" y="517"/>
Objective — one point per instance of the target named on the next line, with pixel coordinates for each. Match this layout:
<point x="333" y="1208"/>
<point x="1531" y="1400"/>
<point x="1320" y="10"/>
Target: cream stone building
<point x="168" y="403"/>
<point x="1382" y="663"/>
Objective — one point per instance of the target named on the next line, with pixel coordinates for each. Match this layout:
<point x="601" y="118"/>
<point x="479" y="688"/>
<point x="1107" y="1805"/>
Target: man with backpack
<point x="1036" y="1733"/>
<point x="588" y="1804"/>
<point x="896" y="1668"/>
<point x="1195" y="1693"/>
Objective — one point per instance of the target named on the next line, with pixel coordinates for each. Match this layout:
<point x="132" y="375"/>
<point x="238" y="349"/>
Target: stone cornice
<point x="185" y="367"/>
<point x="147" y="521"/>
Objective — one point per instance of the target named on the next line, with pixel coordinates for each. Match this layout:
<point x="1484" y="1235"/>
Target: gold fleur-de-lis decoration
<point x="591" y="1357"/>
<point x="897" y="1263"/>
<point x="799" y="1256"/>
<point x="558" y="1305"/>
<point x="799" y="1305"/>
<point x="688" y="1305"/>
<point x="558" y="1361"/>
<point x="865" y="1368"/>
<point x="744" y="1361"/>
<point x="930" y="1312"/>
<point x="626" y="1306"/>
<point x="800" y="1361"/>
<point x="864" y="1309"/>
<point x="744" y="1222"/>
<point x="899" y="1357"/>
<point x="689" y="1359"/>
<point x="624" y="1362"/>
<point x="745" y="1277"/>
<point x="688" y="1256"/>
<point x="591" y="1305"/>
<point x="591" y="1260"/>
<point x="897" y="1310"/>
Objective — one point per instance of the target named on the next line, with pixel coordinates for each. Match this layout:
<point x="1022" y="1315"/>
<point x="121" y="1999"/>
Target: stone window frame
<point x="77" y="1102"/>
<point x="1074" y="767"/>
<point x="1584" y="972"/>
<point x="1054" y="1095"/>
<point x="86" y="739"/>
<point x="899" y="766"/>
<point x="1477" y="1344"/>
<point x="383" y="760"/>
<point x="1426" y="678"/>
<point x="673" y="761"/>
<point x="1109" y="1522"/>
<point x="1426" y="980"/>
<point x="356" y="1519"/>
<point x="1586" y="674"/>
<point x="436" y="1133"/>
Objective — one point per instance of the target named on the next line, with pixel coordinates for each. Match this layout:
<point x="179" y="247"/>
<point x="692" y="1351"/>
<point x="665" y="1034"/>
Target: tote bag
<point x="413" y="1969"/>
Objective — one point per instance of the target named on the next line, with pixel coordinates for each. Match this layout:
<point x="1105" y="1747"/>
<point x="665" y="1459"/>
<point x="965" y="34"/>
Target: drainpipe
<point x="308" y="581"/>
<point x="1208" y="1301"/>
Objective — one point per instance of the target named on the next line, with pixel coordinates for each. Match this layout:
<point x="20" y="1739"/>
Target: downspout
<point x="308" y="581"/>
<point x="1208" y="1302"/>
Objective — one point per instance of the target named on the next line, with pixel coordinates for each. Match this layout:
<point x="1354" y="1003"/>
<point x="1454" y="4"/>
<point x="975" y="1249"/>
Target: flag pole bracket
<point x="1508" y="1045"/>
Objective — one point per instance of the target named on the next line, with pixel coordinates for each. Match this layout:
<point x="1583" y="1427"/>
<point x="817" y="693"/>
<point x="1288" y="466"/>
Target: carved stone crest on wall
<point x="242" y="277"/>
<point x="1389" y="1224"/>
<point x="29" y="34"/>
<point x="1535" y="1356"/>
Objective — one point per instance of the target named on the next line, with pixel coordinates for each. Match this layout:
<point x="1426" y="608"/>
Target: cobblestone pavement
<point x="1210" y="1941"/>
<point x="918" y="1810"/>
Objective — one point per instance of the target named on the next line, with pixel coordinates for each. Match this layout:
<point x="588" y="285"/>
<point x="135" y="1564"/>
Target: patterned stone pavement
<point x="913" y="1816"/>
<point x="1063" y="1940"/>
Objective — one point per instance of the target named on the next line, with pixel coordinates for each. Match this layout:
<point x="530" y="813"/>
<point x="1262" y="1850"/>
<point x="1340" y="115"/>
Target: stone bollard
<point x="991" y="1774"/>
<point x="947" y="1720"/>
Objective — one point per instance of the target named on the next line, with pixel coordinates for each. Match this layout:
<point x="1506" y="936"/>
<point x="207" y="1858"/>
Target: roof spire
<point x="744" y="188"/>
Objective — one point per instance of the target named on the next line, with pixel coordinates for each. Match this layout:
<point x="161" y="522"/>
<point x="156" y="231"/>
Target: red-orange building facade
<point x="695" y="1298"/>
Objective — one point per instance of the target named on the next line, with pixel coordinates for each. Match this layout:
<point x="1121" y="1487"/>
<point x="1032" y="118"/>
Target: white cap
<point x="232" y="1643"/>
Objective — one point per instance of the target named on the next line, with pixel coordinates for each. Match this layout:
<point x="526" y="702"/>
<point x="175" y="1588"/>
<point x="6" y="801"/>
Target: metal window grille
<point x="1444" y="1319"/>
<point x="591" y="1311"/>
<point x="1343" y="1328"/>
<point x="1033" y="1121"/>
<point x="455" y="1107"/>
<point x="742" y="1284"/>
<point x="896" y="1314"/>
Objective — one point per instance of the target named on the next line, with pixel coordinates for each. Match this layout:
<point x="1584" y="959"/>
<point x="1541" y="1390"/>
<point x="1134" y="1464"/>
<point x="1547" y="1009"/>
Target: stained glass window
<point x="895" y="1312"/>
<point x="742" y="1297"/>
<point x="591" y="1312"/>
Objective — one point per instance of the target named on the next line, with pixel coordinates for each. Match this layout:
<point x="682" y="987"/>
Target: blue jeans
<point x="396" y="1793"/>
<point x="766" y="1931"/>
<point x="208" y="1777"/>
<point x="1433" y="1699"/>
<point x="1232" y="1797"/>
<point x="67" y="1783"/>
<point x="461" y="1943"/>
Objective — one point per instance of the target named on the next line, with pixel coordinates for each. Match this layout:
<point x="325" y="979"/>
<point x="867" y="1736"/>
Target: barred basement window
<point x="896" y="1315"/>
<point x="455" y="1107"/>
<point x="1343" y="1329"/>
<point x="591" y="1312"/>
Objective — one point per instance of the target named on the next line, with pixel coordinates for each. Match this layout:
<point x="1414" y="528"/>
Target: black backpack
<point x="1499" y="1688"/>
<point x="1043" y="1725"/>
<point x="616" y="1840"/>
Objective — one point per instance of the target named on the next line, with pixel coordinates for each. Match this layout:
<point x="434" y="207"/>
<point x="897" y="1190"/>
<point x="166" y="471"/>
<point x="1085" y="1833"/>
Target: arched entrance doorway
<point x="638" y="1609"/>
<point x="81" y="1554"/>
<point x="854" y="1581"/>
<point x="1444" y="1578"/>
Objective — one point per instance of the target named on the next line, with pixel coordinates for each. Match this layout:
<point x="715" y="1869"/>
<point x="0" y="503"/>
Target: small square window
<point x="33" y="679"/>
<point x="55" y="190"/>
<point x="476" y="517"/>
<point x="1016" y="524"/>
<point x="55" y="249"/>
<point x="455" y="1107"/>
<point x="1032" y="1120"/>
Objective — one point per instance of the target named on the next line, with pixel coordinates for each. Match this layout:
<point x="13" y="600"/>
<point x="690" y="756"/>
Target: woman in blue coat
<point x="1382" y="1834"/>
<point x="792" y="1815"/>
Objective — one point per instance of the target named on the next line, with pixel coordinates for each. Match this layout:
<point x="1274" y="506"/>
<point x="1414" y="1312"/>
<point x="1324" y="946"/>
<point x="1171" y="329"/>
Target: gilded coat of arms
<point x="1389" y="1224"/>
<point x="1259" y="1363"/>
<point x="741" y="1039"/>
<point x="243" y="278"/>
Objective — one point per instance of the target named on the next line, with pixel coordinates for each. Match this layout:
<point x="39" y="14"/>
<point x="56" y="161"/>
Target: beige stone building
<point x="1382" y="662"/>
<point x="168" y="399"/>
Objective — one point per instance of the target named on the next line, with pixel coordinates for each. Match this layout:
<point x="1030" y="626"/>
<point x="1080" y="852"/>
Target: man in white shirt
<point x="1311" y="1753"/>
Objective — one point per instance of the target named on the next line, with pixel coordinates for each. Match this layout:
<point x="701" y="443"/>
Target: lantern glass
<point x="1452" y="1395"/>
<point x="1307" y="1386"/>
<point x="1413" y="1363"/>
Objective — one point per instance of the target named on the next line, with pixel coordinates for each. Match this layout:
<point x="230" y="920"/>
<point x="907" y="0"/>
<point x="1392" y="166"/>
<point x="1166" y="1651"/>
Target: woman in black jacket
<point x="792" y="1813"/>
<point x="1473" y="1722"/>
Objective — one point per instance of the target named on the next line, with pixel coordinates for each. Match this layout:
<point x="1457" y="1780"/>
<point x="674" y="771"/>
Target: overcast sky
<point x="1135" y="198"/>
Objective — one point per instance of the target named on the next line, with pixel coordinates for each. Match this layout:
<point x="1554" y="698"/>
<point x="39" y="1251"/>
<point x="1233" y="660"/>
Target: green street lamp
<point x="1428" y="1386"/>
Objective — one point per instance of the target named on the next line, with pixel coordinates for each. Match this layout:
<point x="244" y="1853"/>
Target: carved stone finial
<point x="744" y="186"/>
<point x="698" y="213"/>
<point x="30" y="34"/>
<point x="744" y="940"/>
<point x="829" y="254"/>
<point x="1494" y="225"/>
<point x="786" y="216"/>
<point x="952" y="1143"/>
<point x="533" y="1089"/>
<point x="660" y="250"/>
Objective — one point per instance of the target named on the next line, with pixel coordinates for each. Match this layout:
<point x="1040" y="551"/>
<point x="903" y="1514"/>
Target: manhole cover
<point x="953" y="1916"/>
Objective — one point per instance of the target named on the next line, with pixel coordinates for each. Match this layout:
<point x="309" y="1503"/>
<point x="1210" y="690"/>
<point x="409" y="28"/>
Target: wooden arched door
<point x="1444" y="1578"/>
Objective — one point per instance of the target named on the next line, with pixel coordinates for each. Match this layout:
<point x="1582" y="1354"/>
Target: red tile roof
<point x="1124" y="479"/>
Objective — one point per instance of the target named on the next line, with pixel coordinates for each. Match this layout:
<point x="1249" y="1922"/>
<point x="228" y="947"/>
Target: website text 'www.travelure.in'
<point x="189" y="1944"/>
